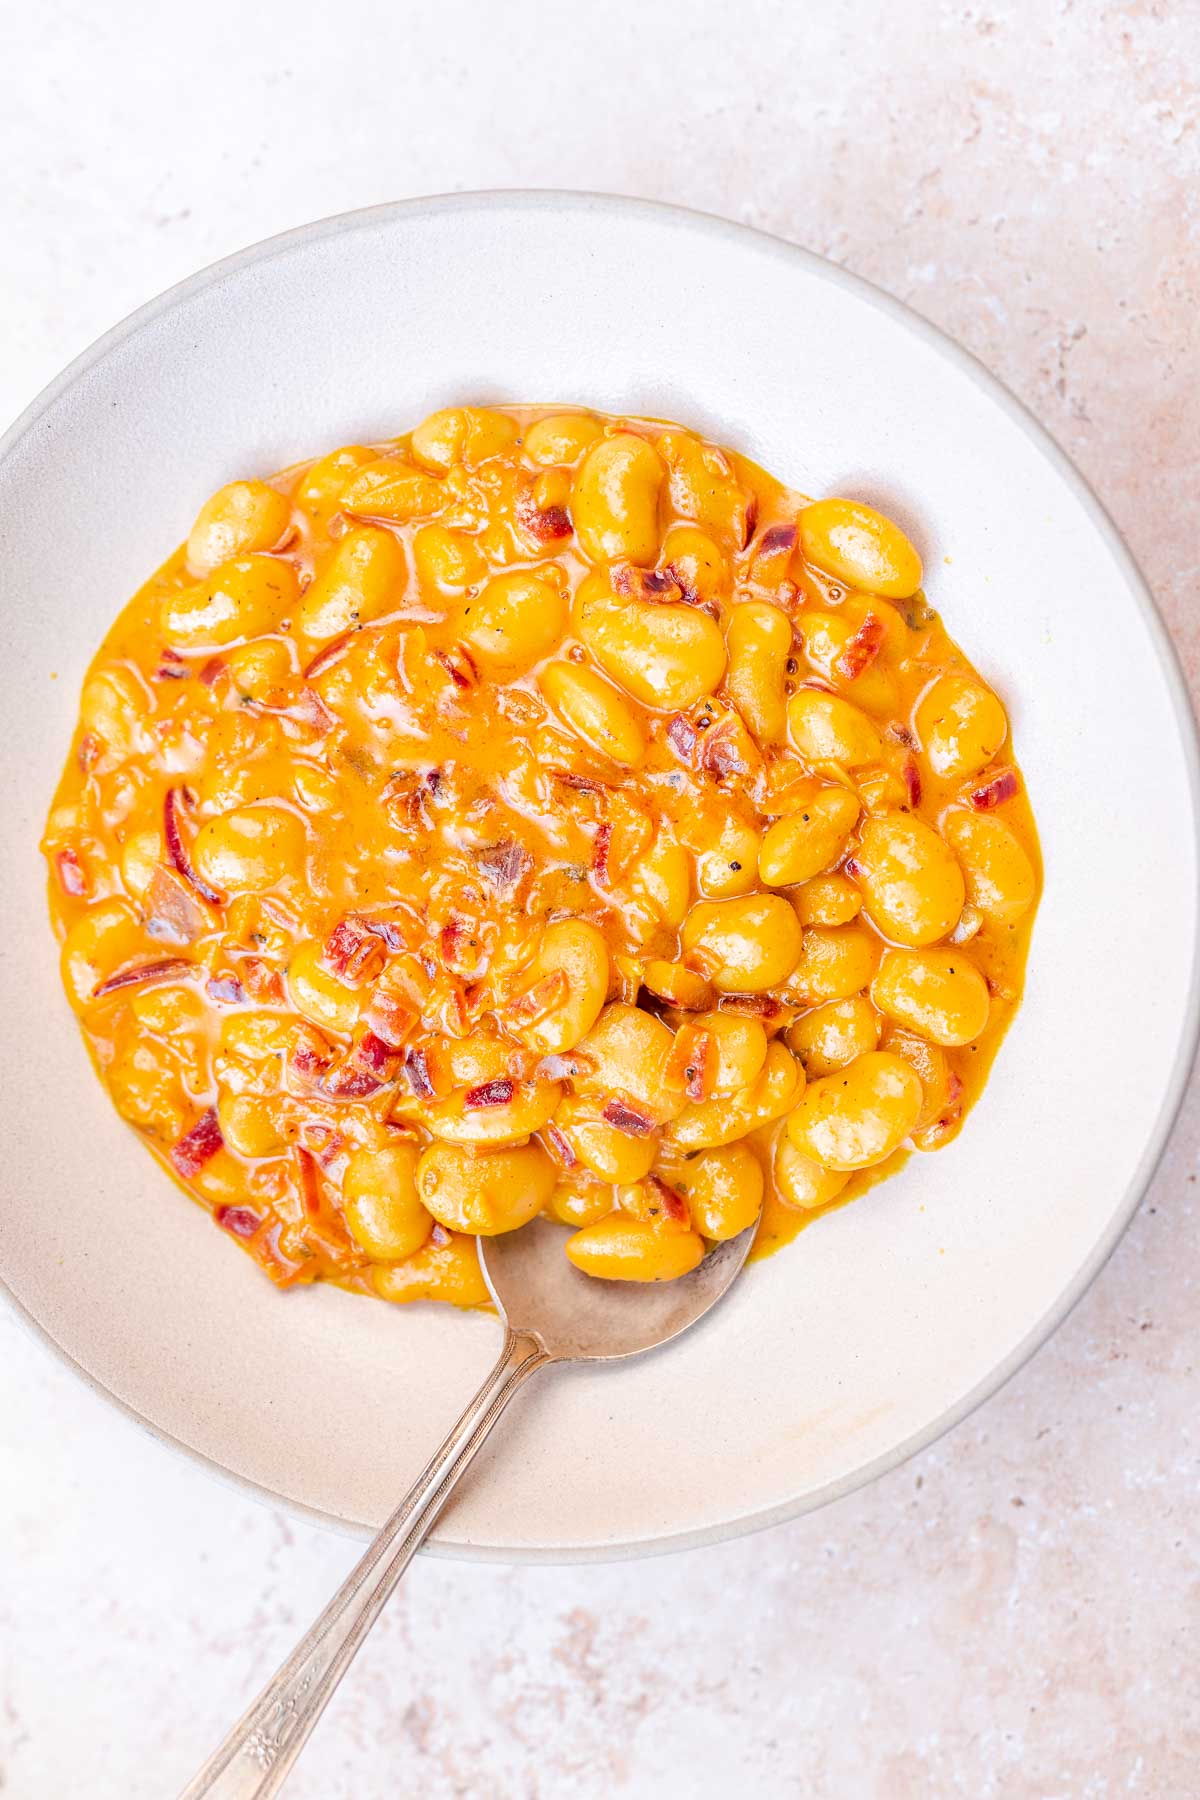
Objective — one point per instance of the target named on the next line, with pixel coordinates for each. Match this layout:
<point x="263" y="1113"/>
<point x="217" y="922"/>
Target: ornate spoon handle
<point x="255" y="1758"/>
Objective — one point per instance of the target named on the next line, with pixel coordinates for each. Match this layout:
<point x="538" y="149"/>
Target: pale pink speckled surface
<point x="1015" y="1612"/>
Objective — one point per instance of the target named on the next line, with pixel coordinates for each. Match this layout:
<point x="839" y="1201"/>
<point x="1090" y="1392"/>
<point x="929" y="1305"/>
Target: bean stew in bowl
<point x="541" y="812"/>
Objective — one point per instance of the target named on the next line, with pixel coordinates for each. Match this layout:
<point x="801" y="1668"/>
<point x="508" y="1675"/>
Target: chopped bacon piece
<point x="197" y="1146"/>
<point x="645" y="584"/>
<point x="353" y="950"/>
<point x="312" y="711"/>
<point x="439" y="1236"/>
<point x="71" y="878"/>
<point x="226" y="988"/>
<point x="326" y="657"/>
<point x="542" y="523"/>
<point x="771" y="556"/>
<point x="852" y="868"/>
<point x="504" y="866"/>
<point x="375" y="1055"/>
<point x="173" y="909"/>
<point x="349" y="1083"/>
<point x="560" y="1147"/>
<point x="211" y="669"/>
<point x="600" y="848"/>
<point x="489" y="1093"/>
<point x="692" y="1065"/>
<point x="753" y="1006"/>
<point x="416" y="1067"/>
<point x="1001" y="787"/>
<point x="582" y="784"/>
<point x="310" y="1056"/>
<point x="238" y="1219"/>
<point x="727" y="749"/>
<point x="862" y="648"/>
<point x="310" y="1181"/>
<point x="177" y="853"/>
<point x="171" y="672"/>
<point x="165" y="969"/>
<point x="624" y="1117"/>
<point x="389" y="1019"/>
<point x="682" y="735"/>
<point x="911" y="777"/>
<point x="751" y="519"/>
<point x="461" y="667"/>
<point x="89" y="750"/>
<point x="670" y="1202"/>
<point x="260" y="980"/>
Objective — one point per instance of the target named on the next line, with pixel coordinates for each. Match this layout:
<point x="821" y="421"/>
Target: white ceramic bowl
<point x="886" y="1322"/>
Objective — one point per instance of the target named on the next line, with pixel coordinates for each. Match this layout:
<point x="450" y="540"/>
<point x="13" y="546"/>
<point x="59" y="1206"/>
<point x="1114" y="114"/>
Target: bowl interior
<point x="885" y="1320"/>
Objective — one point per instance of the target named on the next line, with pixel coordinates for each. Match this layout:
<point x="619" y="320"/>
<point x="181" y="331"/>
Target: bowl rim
<point x="721" y="231"/>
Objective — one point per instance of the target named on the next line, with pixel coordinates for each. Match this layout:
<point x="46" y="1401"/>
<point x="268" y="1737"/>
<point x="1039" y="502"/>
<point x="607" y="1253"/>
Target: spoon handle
<point x="255" y="1758"/>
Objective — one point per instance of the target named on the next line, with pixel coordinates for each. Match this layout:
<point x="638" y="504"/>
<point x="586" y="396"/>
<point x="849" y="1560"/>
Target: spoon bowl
<point x="576" y="1318"/>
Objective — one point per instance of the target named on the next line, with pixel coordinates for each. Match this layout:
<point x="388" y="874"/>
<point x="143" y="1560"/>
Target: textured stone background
<point x="1015" y="1612"/>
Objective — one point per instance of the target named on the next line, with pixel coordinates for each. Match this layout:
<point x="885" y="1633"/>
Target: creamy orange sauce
<point x="421" y="837"/>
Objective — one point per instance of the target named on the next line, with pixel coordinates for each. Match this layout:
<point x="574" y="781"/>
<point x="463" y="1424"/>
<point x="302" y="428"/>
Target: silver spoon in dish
<point x="550" y="1313"/>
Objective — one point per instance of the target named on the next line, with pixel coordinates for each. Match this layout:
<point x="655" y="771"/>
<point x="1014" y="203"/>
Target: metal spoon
<point x="551" y="1313"/>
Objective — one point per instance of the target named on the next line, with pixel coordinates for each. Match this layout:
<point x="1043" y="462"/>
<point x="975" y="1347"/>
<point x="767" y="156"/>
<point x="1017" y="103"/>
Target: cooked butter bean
<point x="835" y="962"/>
<point x="801" y="844"/>
<point x="834" y="1034"/>
<point x="740" y="1049"/>
<point x="240" y="599"/>
<point x="802" y="1183"/>
<point x="939" y="994"/>
<point x="484" y="1191"/>
<point x="361" y="579"/>
<point x="860" y="1114"/>
<point x="933" y="1069"/>
<point x="595" y="711"/>
<point x="252" y="1124"/>
<point x="912" y="888"/>
<point x="667" y="656"/>
<point x="513" y="623"/>
<point x="249" y="849"/>
<point x="861" y="547"/>
<point x="829" y="642"/>
<point x="620" y="1248"/>
<point x="447" y="1271"/>
<point x="697" y="562"/>
<point x="459" y="1121"/>
<point x="704" y="487"/>
<point x="724" y="1190"/>
<point x="728" y="864"/>
<point x="614" y="503"/>
<point x="746" y="945"/>
<point x="625" y="1054"/>
<point x="604" y="1150"/>
<point x="824" y="728"/>
<point x="575" y="950"/>
<point x="758" y="640"/>
<point x="447" y="561"/>
<point x="319" y="995"/>
<point x="827" y="900"/>
<point x="1001" y="880"/>
<point x="961" y="725"/>
<point x="561" y="438"/>
<point x="383" y="1210"/>
<point x="466" y="434"/>
<point x="239" y="518"/>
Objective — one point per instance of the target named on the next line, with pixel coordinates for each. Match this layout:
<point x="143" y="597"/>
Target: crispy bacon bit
<point x="326" y="657"/>
<point x="645" y="584"/>
<point x="670" y="1202"/>
<point x="862" y="648"/>
<point x="190" y="1152"/>
<point x="539" y="1000"/>
<point x="308" y="1060"/>
<point x="461" y="667"/>
<point x="560" y="1147"/>
<point x="374" y="1054"/>
<point x="726" y="749"/>
<point x="600" y="848"/>
<point x="389" y="1019"/>
<point x="171" y="672"/>
<point x="911" y="777"/>
<point x="624" y="1117"/>
<point x="260" y="980"/>
<point x="1001" y="787"/>
<point x="900" y="734"/>
<point x="140" y="973"/>
<point x="310" y="1181"/>
<point x="89" y="750"/>
<point x="954" y="1087"/>
<point x="489" y="1093"/>
<point x="778" y="537"/>
<point x="583" y="784"/>
<point x="178" y="855"/>
<point x="439" y="1236"/>
<point x="312" y="711"/>
<point x="321" y="1142"/>
<point x="682" y="735"/>
<point x="852" y="868"/>
<point x="692" y="1065"/>
<point x="504" y="866"/>
<point x="753" y="1006"/>
<point x="542" y="523"/>
<point x="238" y="1219"/>
<point x="349" y="1083"/>
<point x="211" y="669"/>
<point x="225" y="988"/>
<point x="71" y="878"/>
<point x="353" y="949"/>
<point x="416" y="1067"/>
<point x="751" y="519"/>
